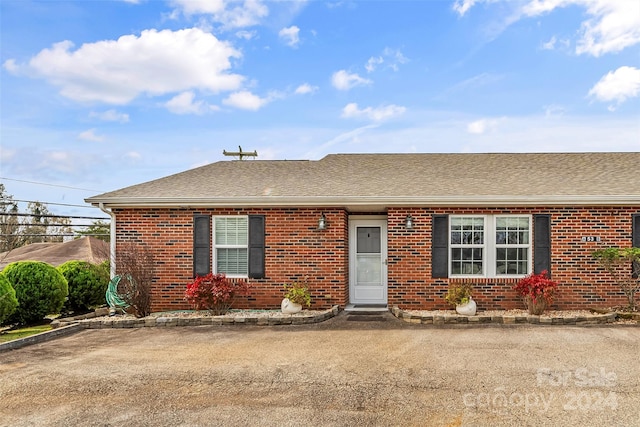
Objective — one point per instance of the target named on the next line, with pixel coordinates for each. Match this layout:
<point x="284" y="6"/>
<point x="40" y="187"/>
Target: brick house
<point x="388" y="229"/>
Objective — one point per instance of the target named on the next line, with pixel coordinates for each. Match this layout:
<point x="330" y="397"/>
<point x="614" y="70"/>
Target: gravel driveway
<point x="339" y="372"/>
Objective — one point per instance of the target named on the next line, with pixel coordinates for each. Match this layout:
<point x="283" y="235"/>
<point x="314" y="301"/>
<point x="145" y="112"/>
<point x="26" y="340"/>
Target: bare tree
<point x="37" y="225"/>
<point x="135" y="264"/>
<point x="10" y="233"/>
<point x="43" y="226"/>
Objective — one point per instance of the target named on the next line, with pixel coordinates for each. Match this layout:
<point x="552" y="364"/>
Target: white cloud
<point x="482" y="126"/>
<point x="342" y="80"/>
<point x="463" y="6"/>
<point x="133" y="155"/>
<point x="291" y="36"/>
<point x="183" y="103"/>
<point x="245" y="100"/>
<point x="551" y="44"/>
<point x="348" y="138"/>
<point x="245" y="35"/>
<point x="11" y="66"/>
<point x="117" y="71"/>
<point x="305" y="88"/>
<point x="199" y="7"/>
<point x="90" y="135"/>
<point x="391" y="57"/>
<point x="554" y="111"/>
<point x="372" y="63"/>
<point x="59" y="161"/>
<point x="375" y="114"/>
<point x="231" y="14"/>
<point x="394" y="58"/>
<point x="618" y="85"/>
<point x="612" y="26"/>
<point x="554" y="43"/>
<point x="6" y="155"/>
<point x="110" y="116"/>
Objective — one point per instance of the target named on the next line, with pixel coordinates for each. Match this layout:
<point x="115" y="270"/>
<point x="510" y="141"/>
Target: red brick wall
<point x="582" y="284"/>
<point x="296" y="251"/>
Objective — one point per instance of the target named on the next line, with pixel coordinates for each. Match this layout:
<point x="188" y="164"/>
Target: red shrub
<point x="214" y="292"/>
<point x="537" y="290"/>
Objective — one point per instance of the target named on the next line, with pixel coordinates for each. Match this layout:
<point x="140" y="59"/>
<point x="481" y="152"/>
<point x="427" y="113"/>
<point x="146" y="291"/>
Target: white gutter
<point x="403" y="201"/>
<point x="112" y="240"/>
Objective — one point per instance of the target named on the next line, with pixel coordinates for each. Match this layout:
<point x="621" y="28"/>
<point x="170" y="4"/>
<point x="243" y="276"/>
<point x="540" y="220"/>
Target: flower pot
<point x="538" y="307"/>
<point x="289" y="307"/>
<point x="467" y="309"/>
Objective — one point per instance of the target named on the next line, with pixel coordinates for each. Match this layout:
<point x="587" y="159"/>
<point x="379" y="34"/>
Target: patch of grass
<point x="15" y="334"/>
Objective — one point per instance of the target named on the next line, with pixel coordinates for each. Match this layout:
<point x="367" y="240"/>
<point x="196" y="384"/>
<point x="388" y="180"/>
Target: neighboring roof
<point x="88" y="249"/>
<point x="363" y="181"/>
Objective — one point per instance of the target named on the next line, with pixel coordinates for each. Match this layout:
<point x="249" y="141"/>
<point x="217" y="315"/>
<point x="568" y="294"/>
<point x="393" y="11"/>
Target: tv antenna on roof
<point x="241" y="154"/>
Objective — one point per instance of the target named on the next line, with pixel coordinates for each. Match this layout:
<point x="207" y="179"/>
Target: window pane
<point x="512" y="261"/>
<point x="466" y="261"/>
<point x="512" y="230"/>
<point x="232" y="261"/>
<point x="368" y="269"/>
<point x="231" y="231"/>
<point x="368" y="240"/>
<point x="456" y="238"/>
<point x="467" y="231"/>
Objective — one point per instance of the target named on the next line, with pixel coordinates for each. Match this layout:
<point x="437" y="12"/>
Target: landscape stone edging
<point x="41" y="337"/>
<point x="443" y="319"/>
<point x="113" y="322"/>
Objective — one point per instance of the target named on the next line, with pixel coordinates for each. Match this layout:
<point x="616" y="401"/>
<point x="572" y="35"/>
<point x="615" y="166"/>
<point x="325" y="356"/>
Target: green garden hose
<point x="113" y="298"/>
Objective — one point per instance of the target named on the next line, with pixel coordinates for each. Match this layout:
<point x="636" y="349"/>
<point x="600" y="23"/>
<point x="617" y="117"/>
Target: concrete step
<point x="366" y="308"/>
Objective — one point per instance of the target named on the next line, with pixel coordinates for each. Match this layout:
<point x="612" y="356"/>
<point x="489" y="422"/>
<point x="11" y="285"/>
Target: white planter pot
<point x="289" y="307"/>
<point x="468" y="309"/>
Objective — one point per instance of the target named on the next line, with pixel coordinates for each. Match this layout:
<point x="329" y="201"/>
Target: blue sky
<point x="99" y="95"/>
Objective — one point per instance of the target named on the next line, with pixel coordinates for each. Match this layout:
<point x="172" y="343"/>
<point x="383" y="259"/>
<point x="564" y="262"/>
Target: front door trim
<point x="375" y="296"/>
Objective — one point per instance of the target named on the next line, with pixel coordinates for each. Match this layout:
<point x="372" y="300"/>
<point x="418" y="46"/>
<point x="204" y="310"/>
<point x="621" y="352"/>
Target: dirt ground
<point x="346" y="371"/>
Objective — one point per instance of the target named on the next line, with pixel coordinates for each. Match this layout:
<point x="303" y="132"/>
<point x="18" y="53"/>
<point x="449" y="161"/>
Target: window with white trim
<point x="490" y="245"/>
<point x="230" y="245"/>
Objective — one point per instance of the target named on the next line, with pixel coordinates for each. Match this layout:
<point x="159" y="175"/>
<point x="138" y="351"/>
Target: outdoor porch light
<point x="408" y="222"/>
<point x="322" y="222"/>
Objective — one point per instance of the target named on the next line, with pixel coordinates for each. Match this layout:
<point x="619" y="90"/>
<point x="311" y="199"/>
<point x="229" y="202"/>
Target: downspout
<point x="112" y="240"/>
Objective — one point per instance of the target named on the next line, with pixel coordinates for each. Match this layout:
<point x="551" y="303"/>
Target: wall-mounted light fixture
<point x="322" y="222"/>
<point x="408" y="222"/>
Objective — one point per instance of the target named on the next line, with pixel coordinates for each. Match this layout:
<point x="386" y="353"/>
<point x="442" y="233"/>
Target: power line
<point x="57" y="235"/>
<point x="54" y="225"/>
<point x="52" y="185"/>
<point x="51" y="203"/>
<point x="56" y="216"/>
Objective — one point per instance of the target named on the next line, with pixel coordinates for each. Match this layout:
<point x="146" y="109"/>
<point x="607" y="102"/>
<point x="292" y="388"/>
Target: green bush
<point x="40" y="289"/>
<point x="87" y="285"/>
<point x="8" y="300"/>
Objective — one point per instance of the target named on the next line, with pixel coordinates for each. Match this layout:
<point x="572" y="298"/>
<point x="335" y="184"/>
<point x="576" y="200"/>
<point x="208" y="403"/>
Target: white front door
<point x="368" y="261"/>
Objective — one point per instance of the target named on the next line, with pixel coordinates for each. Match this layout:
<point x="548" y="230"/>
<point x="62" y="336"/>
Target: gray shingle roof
<point x="397" y="179"/>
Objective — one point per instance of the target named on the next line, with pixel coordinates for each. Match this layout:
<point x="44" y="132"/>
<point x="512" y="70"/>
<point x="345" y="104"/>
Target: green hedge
<point x="87" y="285"/>
<point x="40" y="289"/>
<point x="8" y="300"/>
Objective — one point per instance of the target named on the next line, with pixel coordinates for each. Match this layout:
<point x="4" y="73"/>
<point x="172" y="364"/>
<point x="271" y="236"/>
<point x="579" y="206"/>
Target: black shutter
<point x="201" y="245"/>
<point x="256" y="246"/>
<point x="440" y="247"/>
<point x="542" y="244"/>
